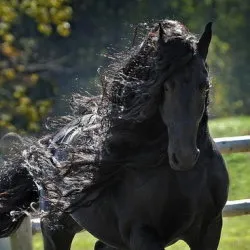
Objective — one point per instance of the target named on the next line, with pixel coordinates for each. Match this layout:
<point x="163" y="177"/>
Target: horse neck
<point x="153" y="129"/>
<point x="20" y="188"/>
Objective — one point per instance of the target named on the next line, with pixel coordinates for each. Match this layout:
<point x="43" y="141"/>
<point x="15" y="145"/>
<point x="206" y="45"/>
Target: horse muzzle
<point x="183" y="161"/>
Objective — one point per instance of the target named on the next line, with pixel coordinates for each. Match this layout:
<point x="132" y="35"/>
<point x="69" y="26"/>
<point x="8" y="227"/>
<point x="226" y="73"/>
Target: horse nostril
<point x="175" y="160"/>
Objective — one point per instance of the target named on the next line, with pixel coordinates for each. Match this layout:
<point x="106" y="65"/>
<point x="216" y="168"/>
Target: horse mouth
<point x="181" y="169"/>
<point x="178" y="165"/>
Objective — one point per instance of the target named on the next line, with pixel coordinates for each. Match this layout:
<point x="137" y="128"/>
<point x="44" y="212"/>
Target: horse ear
<point x="161" y="34"/>
<point x="204" y="41"/>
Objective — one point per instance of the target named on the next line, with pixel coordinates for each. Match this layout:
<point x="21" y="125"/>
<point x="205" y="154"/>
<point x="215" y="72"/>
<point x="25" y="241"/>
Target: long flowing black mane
<point x="118" y="130"/>
<point x="17" y="188"/>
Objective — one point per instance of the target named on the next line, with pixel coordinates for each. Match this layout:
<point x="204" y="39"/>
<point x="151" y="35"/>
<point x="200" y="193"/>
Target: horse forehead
<point x="192" y="71"/>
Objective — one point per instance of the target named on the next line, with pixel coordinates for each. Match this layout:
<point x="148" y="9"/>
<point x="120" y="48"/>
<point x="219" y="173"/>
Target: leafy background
<point x="52" y="48"/>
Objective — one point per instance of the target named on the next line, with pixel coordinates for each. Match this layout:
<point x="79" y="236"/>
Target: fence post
<point x="22" y="238"/>
<point x="5" y="244"/>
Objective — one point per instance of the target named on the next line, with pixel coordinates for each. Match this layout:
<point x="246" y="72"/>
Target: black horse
<point x="138" y="168"/>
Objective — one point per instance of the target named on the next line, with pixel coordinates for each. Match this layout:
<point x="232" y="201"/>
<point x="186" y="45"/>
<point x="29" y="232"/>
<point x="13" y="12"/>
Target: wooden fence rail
<point x="22" y="238"/>
<point x="237" y="208"/>
<point x="235" y="144"/>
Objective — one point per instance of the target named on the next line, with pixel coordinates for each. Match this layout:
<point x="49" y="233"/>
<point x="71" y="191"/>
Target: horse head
<point x="185" y="84"/>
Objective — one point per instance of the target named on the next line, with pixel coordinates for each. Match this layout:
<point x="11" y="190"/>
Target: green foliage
<point x="76" y="35"/>
<point x="19" y="110"/>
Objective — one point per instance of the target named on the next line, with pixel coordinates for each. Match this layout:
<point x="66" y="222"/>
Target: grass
<point x="236" y="231"/>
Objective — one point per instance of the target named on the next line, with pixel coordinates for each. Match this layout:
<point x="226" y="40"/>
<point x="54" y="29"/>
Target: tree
<point x="24" y="92"/>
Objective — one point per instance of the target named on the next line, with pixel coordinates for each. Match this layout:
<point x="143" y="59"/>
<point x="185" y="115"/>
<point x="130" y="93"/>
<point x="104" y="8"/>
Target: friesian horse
<point x="136" y="166"/>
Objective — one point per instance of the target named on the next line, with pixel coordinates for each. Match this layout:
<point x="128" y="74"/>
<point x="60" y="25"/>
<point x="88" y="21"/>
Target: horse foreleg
<point x="102" y="246"/>
<point x="140" y="238"/>
<point x="210" y="236"/>
<point x="145" y="238"/>
<point x="59" y="235"/>
<point x="57" y="239"/>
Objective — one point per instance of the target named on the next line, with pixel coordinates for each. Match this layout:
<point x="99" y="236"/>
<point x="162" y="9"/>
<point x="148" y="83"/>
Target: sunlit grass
<point x="230" y="126"/>
<point x="236" y="231"/>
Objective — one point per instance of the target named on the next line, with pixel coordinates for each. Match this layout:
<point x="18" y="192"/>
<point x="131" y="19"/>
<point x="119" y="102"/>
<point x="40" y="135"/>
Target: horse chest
<point x="159" y="201"/>
<point x="158" y="190"/>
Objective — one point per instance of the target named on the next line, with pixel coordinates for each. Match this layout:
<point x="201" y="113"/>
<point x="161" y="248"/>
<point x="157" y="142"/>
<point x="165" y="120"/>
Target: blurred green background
<point x="51" y="49"/>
